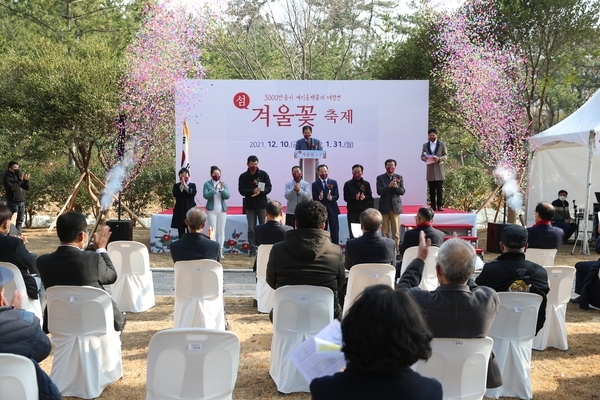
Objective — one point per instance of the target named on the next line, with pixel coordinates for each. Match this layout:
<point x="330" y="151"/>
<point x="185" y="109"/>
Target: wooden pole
<point x="489" y="198"/>
<point x="99" y="182"/>
<point x="69" y="203"/>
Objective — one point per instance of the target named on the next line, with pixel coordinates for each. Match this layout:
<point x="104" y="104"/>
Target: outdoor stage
<point x="161" y="235"/>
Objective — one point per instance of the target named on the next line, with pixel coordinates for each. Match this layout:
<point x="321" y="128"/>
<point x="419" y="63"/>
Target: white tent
<point x="566" y="156"/>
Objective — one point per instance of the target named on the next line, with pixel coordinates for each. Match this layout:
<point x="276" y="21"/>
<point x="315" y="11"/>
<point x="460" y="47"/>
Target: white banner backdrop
<point x="358" y="122"/>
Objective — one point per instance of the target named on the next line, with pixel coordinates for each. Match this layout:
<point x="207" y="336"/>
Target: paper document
<point x="261" y="186"/>
<point x="320" y="355"/>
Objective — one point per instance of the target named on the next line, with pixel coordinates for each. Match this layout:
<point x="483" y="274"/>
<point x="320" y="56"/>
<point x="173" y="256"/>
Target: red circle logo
<point x="241" y="100"/>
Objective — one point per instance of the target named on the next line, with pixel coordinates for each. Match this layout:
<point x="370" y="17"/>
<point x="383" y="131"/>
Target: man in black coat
<point x="15" y="184"/>
<point x="562" y="217"/>
<point x="20" y="334"/>
<point x="424" y="218"/>
<point x="390" y="186"/>
<point x="254" y="185"/>
<point x="273" y="230"/>
<point x="371" y="247"/>
<point x="587" y="283"/>
<point x="458" y="308"/>
<point x="357" y="195"/>
<point x="195" y="245"/>
<point x="13" y="250"/>
<point x="542" y="235"/>
<point x="325" y="190"/>
<point x="307" y="256"/>
<point x="511" y="272"/>
<point x="72" y="266"/>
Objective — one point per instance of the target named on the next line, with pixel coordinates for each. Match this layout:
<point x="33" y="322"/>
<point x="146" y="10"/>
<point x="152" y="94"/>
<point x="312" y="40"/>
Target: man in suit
<point x="424" y="218"/>
<point x="195" y="245"/>
<point x="357" y="195"/>
<point x="15" y="185"/>
<point x="254" y="185"/>
<point x="434" y="154"/>
<point x="273" y="230"/>
<point x="325" y="190"/>
<point x="71" y="265"/>
<point x="308" y="142"/>
<point x="371" y="247"/>
<point x="562" y="217"/>
<point x="13" y="250"/>
<point x="542" y="235"/>
<point x="390" y="187"/>
<point x="458" y="308"/>
<point x="510" y="272"/>
<point x="307" y="256"/>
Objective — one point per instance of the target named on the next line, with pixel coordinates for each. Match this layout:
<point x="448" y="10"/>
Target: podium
<point x="308" y="162"/>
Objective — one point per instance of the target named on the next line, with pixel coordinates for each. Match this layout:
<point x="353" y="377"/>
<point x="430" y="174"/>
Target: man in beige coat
<point x="434" y="154"/>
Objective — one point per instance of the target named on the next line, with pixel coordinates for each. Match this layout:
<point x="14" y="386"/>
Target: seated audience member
<point x="273" y="229"/>
<point x="371" y="247"/>
<point x="542" y="235"/>
<point x="195" y="245"/>
<point x="562" y="217"/>
<point x="587" y="283"/>
<point x="458" y="308"/>
<point x="307" y="256"/>
<point x="13" y="250"/>
<point x="510" y="272"/>
<point x="72" y="266"/>
<point x="20" y="334"/>
<point x="383" y="334"/>
<point x="424" y="218"/>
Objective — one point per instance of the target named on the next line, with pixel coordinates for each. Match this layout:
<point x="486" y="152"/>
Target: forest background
<point x="83" y="82"/>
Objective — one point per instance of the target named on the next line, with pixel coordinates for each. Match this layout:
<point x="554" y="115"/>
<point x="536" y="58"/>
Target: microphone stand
<point x="577" y="218"/>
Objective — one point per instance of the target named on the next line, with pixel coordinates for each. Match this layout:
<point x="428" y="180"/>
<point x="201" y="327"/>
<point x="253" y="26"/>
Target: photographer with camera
<point x="15" y="185"/>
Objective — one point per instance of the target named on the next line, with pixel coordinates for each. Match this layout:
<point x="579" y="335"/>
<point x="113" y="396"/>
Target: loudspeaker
<point x="121" y="229"/>
<point x="494" y="237"/>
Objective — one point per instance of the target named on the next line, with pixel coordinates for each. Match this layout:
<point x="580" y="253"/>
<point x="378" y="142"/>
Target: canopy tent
<point x="564" y="158"/>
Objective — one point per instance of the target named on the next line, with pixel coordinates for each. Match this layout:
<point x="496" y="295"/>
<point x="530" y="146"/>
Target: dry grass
<point x="556" y="375"/>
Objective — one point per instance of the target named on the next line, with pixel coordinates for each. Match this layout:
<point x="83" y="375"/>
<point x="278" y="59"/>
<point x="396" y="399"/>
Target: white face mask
<point x="562" y="198"/>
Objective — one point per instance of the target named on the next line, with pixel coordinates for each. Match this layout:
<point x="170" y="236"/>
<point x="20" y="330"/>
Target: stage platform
<point x="161" y="235"/>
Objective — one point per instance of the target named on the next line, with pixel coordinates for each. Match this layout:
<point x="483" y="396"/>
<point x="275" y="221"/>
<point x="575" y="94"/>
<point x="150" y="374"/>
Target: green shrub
<point x="466" y="188"/>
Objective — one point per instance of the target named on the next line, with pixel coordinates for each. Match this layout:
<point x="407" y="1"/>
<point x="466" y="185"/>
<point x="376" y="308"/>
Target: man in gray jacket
<point x="458" y="308"/>
<point x="296" y="191"/>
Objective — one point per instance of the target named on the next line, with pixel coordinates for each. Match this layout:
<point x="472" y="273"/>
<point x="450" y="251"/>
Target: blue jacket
<point x="209" y="192"/>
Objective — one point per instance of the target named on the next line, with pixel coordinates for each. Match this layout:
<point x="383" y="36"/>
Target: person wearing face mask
<point x="357" y="195"/>
<point x="72" y="266"/>
<point x="184" y="193"/>
<point x="562" y="217"/>
<point x="15" y="185"/>
<point x="215" y="191"/>
<point x="296" y="191"/>
<point x="434" y="154"/>
<point x="390" y="186"/>
<point x="254" y="184"/>
<point x="325" y="190"/>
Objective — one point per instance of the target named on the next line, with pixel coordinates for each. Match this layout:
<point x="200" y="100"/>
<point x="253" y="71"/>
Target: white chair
<point x="543" y="257"/>
<point x="300" y="312"/>
<point x="87" y="349"/>
<point x="192" y="363"/>
<point x="513" y="331"/>
<point x="17" y="378"/>
<point x="356" y="230"/>
<point x="17" y="283"/>
<point x="264" y="293"/>
<point x="134" y="289"/>
<point x="199" y="295"/>
<point x="460" y="365"/>
<point x="363" y="275"/>
<point x="554" y="332"/>
<point x="429" y="280"/>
